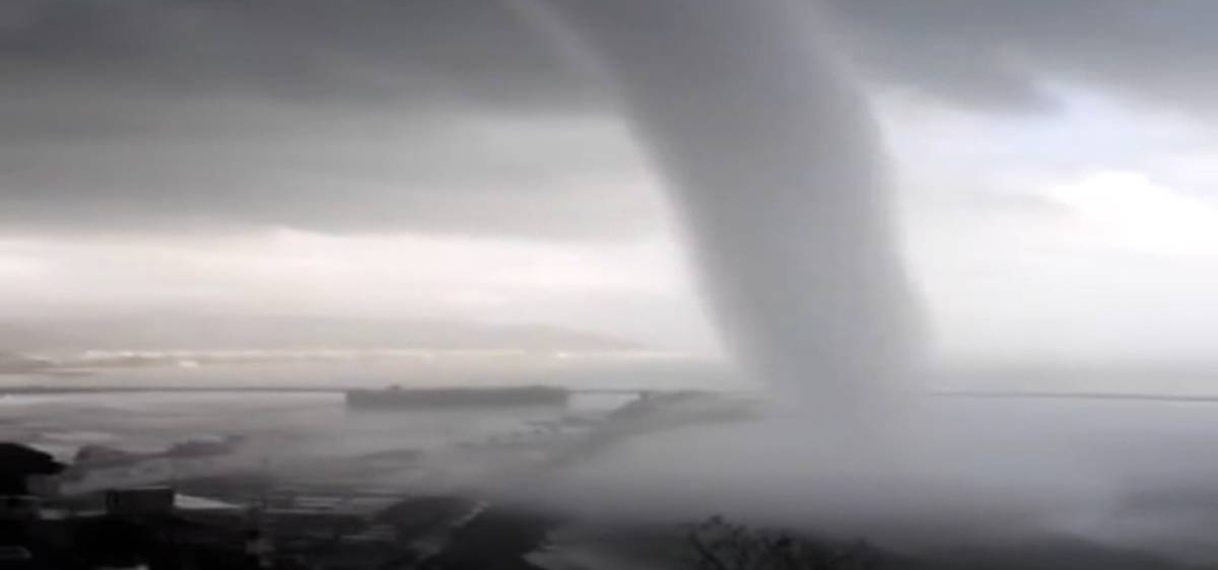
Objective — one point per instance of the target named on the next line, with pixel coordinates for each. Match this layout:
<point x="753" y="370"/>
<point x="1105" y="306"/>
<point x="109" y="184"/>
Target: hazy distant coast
<point x="291" y="332"/>
<point x="49" y="346"/>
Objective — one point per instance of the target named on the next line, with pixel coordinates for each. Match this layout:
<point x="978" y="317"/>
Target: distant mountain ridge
<point x="283" y="333"/>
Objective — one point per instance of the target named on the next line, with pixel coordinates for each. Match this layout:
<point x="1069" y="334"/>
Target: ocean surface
<point x="62" y="423"/>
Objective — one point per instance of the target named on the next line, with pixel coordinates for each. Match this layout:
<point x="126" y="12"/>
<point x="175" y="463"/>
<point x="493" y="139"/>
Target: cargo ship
<point x="445" y="398"/>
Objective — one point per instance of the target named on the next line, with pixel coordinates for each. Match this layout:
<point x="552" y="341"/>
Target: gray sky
<point x="439" y="157"/>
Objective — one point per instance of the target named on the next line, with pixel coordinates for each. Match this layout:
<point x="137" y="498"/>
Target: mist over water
<point x="777" y="171"/>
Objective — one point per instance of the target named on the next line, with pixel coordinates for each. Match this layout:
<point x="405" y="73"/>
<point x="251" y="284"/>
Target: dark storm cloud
<point x="481" y="51"/>
<point x="336" y="115"/>
<point x="415" y="51"/>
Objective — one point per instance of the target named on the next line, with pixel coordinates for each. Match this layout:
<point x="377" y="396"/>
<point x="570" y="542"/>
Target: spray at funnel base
<point x="774" y="165"/>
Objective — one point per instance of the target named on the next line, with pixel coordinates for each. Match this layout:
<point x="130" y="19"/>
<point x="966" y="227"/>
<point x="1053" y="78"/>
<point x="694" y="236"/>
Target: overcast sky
<point x="1055" y="168"/>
